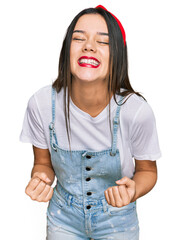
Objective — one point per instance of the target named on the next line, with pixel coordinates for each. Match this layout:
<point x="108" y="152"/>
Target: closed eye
<point x="103" y="42"/>
<point x="78" y="39"/>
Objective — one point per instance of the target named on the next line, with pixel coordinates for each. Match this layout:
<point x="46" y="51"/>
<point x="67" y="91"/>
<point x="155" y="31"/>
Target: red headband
<point x="119" y="23"/>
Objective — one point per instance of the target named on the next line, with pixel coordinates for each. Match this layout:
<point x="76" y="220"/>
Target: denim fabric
<point x="78" y="208"/>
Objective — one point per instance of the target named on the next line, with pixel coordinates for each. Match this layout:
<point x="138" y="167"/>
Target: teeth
<point x="89" y="61"/>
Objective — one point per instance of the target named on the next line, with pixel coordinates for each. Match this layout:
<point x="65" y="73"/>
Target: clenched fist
<point x="121" y="195"/>
<point x="39" y="188"/>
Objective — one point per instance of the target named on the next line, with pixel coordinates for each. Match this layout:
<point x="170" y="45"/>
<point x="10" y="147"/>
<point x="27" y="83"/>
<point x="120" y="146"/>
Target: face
<point x="89" y="49"/>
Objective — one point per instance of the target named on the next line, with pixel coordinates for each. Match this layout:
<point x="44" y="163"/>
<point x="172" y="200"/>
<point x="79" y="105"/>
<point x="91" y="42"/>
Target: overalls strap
<point x="53" y="137"/>
<point x="116" y="123"/>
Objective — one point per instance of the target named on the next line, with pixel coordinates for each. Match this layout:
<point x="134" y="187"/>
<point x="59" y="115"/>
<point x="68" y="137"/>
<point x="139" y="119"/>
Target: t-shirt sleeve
<point x="143" y="135"/>
<point x="33" y="131"/>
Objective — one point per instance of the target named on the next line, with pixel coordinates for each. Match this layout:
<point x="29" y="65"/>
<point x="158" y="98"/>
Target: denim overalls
<point x="78" y="208"/>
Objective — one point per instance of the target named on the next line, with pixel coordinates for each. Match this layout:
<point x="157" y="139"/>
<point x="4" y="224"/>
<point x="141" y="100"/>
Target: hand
<point x="39" y="188"/>
<point x="122" y="195"/>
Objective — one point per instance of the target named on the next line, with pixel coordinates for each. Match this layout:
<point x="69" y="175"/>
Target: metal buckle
<point x="54" y="147"/>
<point x="51" y="126"/>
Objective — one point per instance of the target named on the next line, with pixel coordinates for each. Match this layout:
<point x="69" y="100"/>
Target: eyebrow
<point x="99" y="33"/>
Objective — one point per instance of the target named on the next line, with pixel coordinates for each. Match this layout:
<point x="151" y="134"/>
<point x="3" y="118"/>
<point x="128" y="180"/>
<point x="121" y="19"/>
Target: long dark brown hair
<point x="118" y="64"/>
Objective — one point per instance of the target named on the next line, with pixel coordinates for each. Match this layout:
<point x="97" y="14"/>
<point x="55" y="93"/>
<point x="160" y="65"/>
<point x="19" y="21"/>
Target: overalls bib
<point x="78" y="205"/>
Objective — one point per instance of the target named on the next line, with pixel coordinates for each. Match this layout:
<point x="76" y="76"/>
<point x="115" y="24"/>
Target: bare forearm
<point x="42" y="176"/>
<point x="129" y="190"/>
<point x="145" y="181"/>
<point x="38" y="168"/>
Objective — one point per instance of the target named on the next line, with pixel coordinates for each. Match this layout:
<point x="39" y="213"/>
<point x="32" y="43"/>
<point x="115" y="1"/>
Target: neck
<point x="90" y="97"/>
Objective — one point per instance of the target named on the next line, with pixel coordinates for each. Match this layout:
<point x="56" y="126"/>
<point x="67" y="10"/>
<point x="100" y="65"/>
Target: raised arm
<point x="129" y="190"/>
<point x="42" y="176"/>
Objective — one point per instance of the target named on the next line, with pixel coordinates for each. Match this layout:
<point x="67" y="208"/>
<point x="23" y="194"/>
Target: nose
<point x="89" y="46"/>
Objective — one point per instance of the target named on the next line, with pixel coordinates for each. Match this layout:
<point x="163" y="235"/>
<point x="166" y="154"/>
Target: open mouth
<point x="88" y="62"/>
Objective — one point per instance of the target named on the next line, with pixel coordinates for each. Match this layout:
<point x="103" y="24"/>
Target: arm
<point x="42" y="163"/>
<point x="42" y="176"/>
<point x="145" y="177"/>
<point x="129" y="190"/>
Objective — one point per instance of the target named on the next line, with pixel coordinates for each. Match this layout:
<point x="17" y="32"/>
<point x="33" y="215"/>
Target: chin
<point x="86" y="78"/>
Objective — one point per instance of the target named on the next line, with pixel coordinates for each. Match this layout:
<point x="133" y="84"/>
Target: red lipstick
<point x="90" y="62"/>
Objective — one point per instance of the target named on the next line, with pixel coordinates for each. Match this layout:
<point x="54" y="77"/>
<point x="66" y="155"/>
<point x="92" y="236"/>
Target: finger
<point x="43" y="196"/>
<point x="124" y="195"/>
<point x="130" y="186"/>
<point x="33" y="183"/>
<point x="38" y="190"/>
<point x="107" y="197"/>
<point x="117" y="197"/>
<point x="125" y="180"/>
<point x="49" y="195"/>
<point x="42" y="176"/>
<point x="111" y="197"/>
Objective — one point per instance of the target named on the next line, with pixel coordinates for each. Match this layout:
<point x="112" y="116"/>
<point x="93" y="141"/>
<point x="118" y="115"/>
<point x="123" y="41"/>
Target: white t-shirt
<point x="136" y="138"/>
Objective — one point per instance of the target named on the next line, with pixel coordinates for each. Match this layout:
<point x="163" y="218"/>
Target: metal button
<point x="88" y="179"/>
<point x="89" y="193"/>
<point x="88" y="168"/>
<point x="112" y="154"/>
<point x="88" y="156"/>
<point x="88" y="207"/>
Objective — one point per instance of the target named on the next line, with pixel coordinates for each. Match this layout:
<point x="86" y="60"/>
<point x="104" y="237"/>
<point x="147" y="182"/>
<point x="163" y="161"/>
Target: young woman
<point x="86" y="130"/>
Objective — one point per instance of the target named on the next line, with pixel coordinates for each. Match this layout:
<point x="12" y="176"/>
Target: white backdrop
<point x="30" y="43"/>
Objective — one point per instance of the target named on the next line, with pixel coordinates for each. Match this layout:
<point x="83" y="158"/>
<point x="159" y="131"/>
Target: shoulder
<point x="40" y="100"/>
<point x="41" y="93"/>
<point x="41" y="97"/>
<point x="136" y="110"/>
<point x="44" y="92"/>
